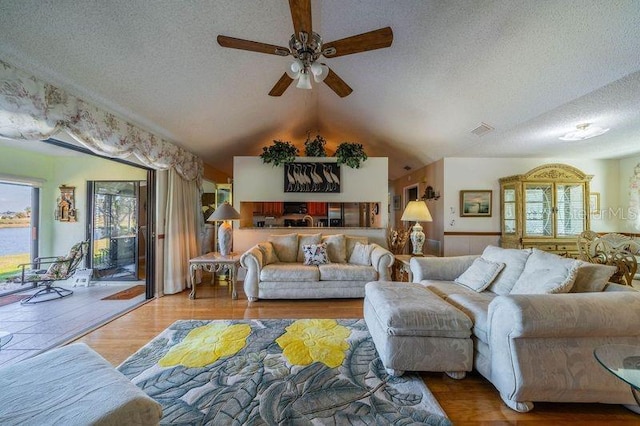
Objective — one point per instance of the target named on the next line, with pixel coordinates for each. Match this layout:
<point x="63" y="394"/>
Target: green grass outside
<point x="9" y="264"/>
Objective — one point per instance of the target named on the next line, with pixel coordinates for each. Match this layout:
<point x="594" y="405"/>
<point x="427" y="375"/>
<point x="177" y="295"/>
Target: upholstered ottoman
<point x="415" y="330"/>
<point x="72" y="385"/>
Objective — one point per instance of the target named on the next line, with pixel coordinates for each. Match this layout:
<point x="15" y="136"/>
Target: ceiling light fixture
<point x="306" y="52"/>
<point x="584" y="131"/>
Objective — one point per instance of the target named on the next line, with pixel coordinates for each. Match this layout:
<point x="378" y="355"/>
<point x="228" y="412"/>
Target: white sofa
<point x="275" y="268"/>
<point x="535" y="346"/>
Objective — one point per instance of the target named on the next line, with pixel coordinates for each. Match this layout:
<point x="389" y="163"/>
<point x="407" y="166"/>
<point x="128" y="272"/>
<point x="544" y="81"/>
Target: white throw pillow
<point x="514" y="261"/>
<point x="480" y="274"/>
<point x="546" y="273"/>
<point x="315" y="254"/>
<point x="286" y="247"/>
<point x="336" y="247"/>
<point x="351" y="243"/>
<point x="306" y="239"/>
<point x="361" y="254"/>
<point x="268" y="253"/>
<point x="592" y="277"/>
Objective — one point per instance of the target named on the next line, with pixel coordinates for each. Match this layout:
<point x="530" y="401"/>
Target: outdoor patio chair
<point x="60" y="268"/>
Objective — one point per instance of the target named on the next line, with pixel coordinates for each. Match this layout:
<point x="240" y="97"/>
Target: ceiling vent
<point x="482" y="129"/>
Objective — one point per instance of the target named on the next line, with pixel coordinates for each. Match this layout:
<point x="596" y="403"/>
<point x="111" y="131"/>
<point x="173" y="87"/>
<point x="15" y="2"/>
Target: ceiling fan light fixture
<point x="319" y="71"/>
<point x="584" y="131"/>
<point x="304" y="82"/>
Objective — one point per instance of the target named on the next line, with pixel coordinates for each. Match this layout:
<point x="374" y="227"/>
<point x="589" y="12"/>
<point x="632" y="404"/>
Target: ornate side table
<point x="215" y="262"/>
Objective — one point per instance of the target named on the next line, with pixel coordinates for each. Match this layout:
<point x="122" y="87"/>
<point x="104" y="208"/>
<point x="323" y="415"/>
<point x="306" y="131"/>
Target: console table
<point x="215" y="262"/>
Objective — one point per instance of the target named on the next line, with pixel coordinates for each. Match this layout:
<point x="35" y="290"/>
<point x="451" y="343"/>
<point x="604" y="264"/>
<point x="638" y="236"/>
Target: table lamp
<point x="225" y="212"/>
<point x="418" y="211"/>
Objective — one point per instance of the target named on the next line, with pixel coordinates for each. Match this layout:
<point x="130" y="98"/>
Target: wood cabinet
<point x="317" y="209"/>
<point x="274" y="209"/>
<point x="546" y="208"/>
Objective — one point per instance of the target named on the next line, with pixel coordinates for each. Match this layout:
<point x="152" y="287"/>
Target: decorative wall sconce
<point x="430" y="194"/>
<point x="66" y="204"/>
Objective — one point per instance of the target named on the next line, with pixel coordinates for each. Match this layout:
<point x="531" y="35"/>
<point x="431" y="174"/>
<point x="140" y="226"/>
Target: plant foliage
<point x="315" y="147"/>
<point x="351" y="154"/>
<point x="279" y="153"/>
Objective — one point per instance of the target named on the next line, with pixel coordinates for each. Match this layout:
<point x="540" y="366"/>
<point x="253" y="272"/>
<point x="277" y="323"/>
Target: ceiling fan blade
<point x="337" y="84"/>
<point x="253" y="46"/>
<point x="301" y="16"/>
<point x="372" y="40"/>
<point x="281" y="85"/>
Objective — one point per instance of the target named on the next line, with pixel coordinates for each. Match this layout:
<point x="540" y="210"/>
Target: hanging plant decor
<point x="315" y="147"/>
<point x="279" y="153"/>
<point x="351" y="154"/>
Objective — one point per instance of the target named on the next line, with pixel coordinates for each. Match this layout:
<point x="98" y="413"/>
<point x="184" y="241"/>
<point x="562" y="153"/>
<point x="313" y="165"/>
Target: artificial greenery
<point x="315" y="147"/>
<point x="281" y="152"/>
<point x="351" y="154"/>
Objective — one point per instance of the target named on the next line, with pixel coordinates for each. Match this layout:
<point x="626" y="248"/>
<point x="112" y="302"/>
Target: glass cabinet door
<point x="538" y="199"/>
<point x="570" y="214"/>
<point x="509" y="212"/>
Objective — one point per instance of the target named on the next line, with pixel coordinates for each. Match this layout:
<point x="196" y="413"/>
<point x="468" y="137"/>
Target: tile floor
<point x="42" y="326"/>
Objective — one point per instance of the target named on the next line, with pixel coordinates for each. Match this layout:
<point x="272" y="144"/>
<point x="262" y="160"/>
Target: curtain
<point x="31" y="109"/>
<point x="181" y="231"/>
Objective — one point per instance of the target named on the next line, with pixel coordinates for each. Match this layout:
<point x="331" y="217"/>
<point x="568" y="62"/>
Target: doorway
<point x="117" y="252"/>
<point x="410" y="193"/>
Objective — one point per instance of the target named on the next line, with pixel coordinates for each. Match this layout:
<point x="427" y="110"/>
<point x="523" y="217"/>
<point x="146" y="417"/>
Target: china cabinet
<point x="546" y="208"/>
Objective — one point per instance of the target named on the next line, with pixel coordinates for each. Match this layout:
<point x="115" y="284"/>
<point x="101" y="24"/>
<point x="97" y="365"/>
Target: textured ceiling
<point x="531" y="69"/>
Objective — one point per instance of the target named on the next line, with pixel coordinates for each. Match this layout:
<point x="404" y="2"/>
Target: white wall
<point x="255" y="181"/>
<point x="629" y="218"/>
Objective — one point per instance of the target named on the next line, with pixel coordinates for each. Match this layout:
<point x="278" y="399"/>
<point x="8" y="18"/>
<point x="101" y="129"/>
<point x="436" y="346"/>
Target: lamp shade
<point x="224" y="212"/>
<point x="304" y="82"/>
<point x="416" y="211"/>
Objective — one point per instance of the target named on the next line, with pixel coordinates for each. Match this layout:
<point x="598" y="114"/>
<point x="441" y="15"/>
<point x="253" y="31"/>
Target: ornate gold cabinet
<point x="546" y="208"/>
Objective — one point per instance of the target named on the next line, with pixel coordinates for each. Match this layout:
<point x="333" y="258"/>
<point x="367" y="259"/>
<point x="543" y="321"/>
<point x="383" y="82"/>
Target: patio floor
<point x="42" y="326"/>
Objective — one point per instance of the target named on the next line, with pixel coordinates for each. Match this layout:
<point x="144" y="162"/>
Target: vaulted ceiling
<point x="533" y="70"/>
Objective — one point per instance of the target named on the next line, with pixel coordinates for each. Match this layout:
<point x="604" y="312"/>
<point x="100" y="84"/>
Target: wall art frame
<point x="312" y="177"/>
<point x="476" y="203"/>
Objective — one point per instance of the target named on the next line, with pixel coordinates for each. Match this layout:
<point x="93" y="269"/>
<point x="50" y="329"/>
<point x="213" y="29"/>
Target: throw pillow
<point x="592" y="277"/>
<point x="315" y="254"/>
<point x="305" y="239"/>
<point x="351" y="243"/>
<point x="546" y="273"/>
<point x="361" y="254"/>
<point x="268" y="253"/>
<point x="480" y="274"/>
<point x="286" y="247"/>
<point x="514" y="261"/>
<point x="336" y="248"/>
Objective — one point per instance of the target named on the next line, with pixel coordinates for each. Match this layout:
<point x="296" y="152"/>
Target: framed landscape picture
<point x="475" y="203"/>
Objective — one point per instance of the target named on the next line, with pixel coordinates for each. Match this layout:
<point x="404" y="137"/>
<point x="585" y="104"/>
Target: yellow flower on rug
<point x="205" y="345"/>
<point x="309" y="340"/>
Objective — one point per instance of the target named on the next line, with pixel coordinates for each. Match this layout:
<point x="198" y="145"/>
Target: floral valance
<point x="32" y="109"/>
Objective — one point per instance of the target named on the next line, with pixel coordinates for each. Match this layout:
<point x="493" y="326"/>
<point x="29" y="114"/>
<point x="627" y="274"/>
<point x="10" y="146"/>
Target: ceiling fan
<point x="307" y="47"/>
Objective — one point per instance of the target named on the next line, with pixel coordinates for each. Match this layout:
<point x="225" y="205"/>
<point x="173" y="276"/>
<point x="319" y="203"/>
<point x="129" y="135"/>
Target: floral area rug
<point x="276" y="372"/>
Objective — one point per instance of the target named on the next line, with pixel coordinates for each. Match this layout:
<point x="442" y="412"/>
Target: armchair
<point x="59" y="268"/>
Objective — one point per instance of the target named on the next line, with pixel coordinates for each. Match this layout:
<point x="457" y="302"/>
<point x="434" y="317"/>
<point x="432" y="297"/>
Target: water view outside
<point x="14" y="240"/>
<point x="15" y="229"/>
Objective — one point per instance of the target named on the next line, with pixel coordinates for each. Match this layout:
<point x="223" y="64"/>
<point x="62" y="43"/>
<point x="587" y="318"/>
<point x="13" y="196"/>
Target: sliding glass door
<point x="114" y="230"/>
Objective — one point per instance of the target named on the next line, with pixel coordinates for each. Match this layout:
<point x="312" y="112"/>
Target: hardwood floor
<point x="471" y="401"/>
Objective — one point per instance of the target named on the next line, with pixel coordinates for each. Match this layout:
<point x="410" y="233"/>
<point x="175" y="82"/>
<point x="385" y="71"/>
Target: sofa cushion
<point x="446" y="288"/>
<point x="514" y="261"/>
<point x="412" y="310"/>
<point x="480" y="274"/>
<point x="286" y="246"/>
<point x="336" y="247"/>
<point x="306" y="239"/>
<point x="476" y="307"/>
<point x="351" y="241"/>
<point x="546" y="273"/>
<point x="347" y="272"/>
<point x="361" y="254"/>
<point x="289" y="272"/>
<point x="268" y="253"/>
<point x="315" y="254"/>
<point x="592" y="277"/>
